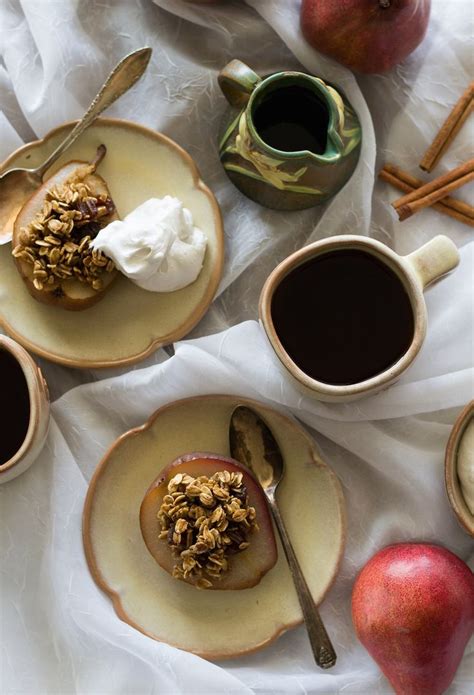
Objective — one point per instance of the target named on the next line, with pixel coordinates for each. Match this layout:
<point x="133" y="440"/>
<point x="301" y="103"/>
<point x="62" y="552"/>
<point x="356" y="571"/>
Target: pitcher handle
<point x="237" y="82"/>
<point x="433" y="259"/>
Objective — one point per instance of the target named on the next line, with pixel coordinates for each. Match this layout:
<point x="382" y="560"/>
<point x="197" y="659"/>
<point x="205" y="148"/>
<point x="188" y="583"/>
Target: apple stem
<point x="384" y="4"/>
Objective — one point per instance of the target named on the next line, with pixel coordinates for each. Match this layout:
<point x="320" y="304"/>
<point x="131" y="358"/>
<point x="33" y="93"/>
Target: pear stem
<point x="99" y="156"/>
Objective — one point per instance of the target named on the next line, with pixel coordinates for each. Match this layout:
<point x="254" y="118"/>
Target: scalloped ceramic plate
<point x="128" y="323"/>
<point x="214" y="624"/>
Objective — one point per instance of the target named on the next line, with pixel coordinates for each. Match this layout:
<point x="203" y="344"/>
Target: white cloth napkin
<point x="59" y="632"/>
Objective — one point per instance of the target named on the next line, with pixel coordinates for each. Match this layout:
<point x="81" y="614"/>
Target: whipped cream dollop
<point x="157" y="245"/>
<point x="465" y="465"/>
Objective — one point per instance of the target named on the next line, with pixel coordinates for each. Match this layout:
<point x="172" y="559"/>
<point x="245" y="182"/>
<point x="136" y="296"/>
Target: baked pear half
<point x="52" y="235"/>
<point x="205" y="520"/>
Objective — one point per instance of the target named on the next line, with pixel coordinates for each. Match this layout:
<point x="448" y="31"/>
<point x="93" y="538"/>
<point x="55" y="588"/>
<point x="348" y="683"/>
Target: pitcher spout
<point x="343" y="132"/>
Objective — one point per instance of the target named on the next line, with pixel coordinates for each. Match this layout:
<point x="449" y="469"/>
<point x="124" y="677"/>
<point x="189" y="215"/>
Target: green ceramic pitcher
<point x="289" y="141"/>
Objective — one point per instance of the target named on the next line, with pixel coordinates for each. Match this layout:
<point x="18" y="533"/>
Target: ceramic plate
<point x="214" y="624"/>
<point x="128" y="323"/>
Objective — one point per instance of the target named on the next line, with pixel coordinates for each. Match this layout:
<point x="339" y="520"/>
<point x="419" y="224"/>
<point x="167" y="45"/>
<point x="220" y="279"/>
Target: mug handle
<point x="237" y="82"/>
<point x="433" y="259"/>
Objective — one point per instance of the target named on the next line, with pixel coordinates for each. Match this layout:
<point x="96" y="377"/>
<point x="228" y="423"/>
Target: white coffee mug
<point x="38" y="416"/>
<point x="415" y="271"/>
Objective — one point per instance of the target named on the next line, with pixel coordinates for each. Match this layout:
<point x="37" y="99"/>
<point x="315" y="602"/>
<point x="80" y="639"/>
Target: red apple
<point x="365" y="35"/>
<point x="246" y="568"/>
<point x="413" y="610"/>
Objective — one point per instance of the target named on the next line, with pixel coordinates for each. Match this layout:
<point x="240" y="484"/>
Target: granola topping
<point x="205" y="521"/>
<point x="57" y="242"/>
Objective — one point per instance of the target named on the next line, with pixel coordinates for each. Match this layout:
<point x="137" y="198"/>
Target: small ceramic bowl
<point x="453" y="486"/>
<point x="39" y="412"/>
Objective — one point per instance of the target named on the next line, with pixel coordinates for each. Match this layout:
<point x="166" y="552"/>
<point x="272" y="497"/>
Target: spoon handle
<point x="122" y="77"/>
<point x="323" y="651"/>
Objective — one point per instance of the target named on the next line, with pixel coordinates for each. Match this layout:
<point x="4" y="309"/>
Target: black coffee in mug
<point x="343" y="317"/>
<point x="14" y="406"/>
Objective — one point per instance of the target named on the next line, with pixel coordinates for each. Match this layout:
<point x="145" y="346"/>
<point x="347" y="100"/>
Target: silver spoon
<point x="17" y="185"/>
<point x="253" y="444"/>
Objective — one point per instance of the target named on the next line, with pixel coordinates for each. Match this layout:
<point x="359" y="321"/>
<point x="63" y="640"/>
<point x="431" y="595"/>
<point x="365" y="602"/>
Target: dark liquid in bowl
<point x="14" y="406"/>
<point x="343" y="317"/>
<point x="291" y="119"/>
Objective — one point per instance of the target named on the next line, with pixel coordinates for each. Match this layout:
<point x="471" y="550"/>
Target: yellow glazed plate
<point x="214" y="624"/>
<point x="128" y="323"/>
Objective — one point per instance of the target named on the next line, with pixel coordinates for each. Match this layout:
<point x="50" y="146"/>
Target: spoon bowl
<point x="16" y="186"/>
<point x="252" y="443"/>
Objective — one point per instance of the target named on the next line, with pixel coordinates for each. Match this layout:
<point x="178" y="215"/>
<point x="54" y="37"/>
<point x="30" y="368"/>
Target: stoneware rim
<point x="405" y="273"/>
<point x="136" y="431"/>
<point x="214" y="277"/>
<point x="456" y="499"/>
<point x="37" y="392"/>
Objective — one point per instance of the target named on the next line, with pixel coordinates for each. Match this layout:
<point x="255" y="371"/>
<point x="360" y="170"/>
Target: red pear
<point x="365" y="35"/>
<point x="68" y="290"/>
<point x="246" y="568"/>
<point x="413" y="610"/>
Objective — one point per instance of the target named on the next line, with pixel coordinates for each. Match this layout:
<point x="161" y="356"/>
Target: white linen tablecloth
<point x="59" y="633"/>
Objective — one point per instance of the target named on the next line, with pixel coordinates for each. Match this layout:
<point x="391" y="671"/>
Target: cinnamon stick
<point x="449" y="129"/>
<point x="413" y="182"/>
<point x="434" y="190"/>
<point x="407" y="183"/>
<point x="408" y="209"/>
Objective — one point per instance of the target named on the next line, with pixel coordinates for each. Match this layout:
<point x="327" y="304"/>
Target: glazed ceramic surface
<point x="39" y="413"/>
<point x="214" y="624"/>
<point x="280" y="179"/>
<point x="415" y="271"/>
<point x="453" y="487"/>
<point x="128" y="323"/>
